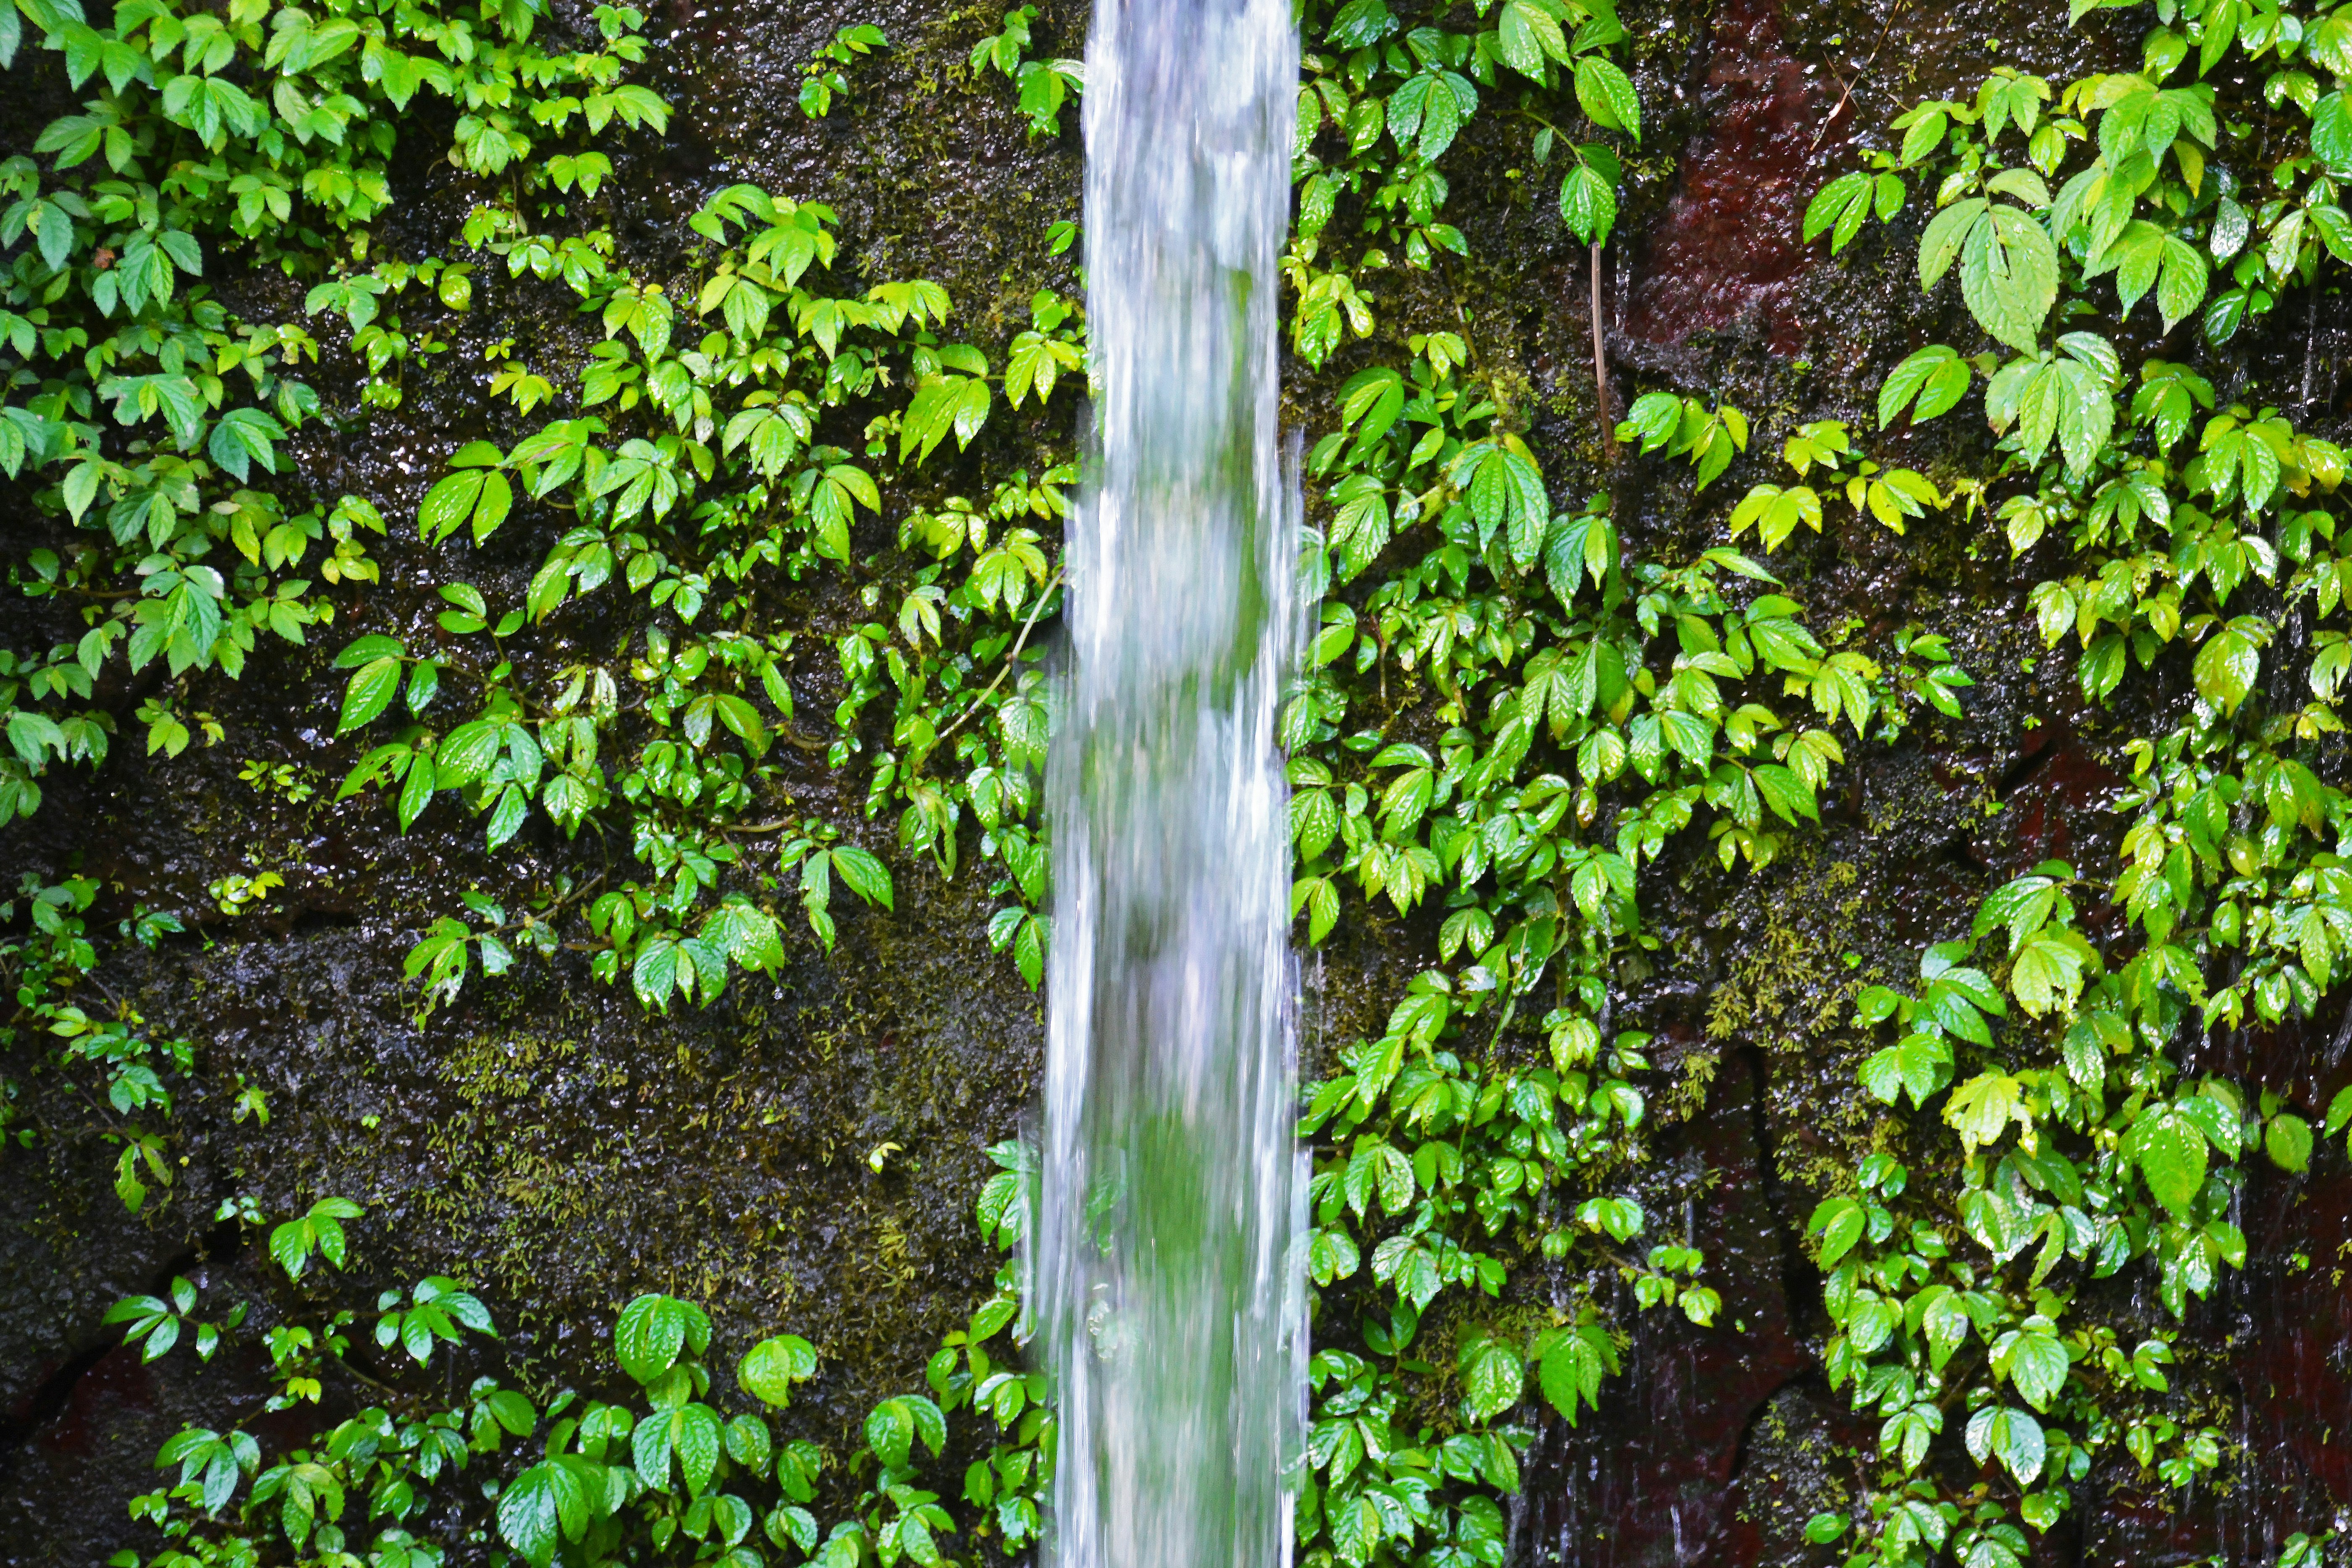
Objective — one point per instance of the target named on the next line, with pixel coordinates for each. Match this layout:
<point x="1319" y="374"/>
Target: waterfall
<point x="1164" y="1268"/>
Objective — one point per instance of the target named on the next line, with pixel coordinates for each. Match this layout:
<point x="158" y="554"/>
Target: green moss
<point x="1790" y="986"/>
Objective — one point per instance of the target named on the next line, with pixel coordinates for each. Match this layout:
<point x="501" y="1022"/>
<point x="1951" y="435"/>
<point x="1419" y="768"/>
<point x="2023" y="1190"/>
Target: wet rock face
<point x="566" y="1152"/>
<point x="1651" y="1475"/>
<point x="1726" y="249"/>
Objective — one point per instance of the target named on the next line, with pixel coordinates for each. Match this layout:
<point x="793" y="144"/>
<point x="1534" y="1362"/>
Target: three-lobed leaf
<point x="770" y="1368"/>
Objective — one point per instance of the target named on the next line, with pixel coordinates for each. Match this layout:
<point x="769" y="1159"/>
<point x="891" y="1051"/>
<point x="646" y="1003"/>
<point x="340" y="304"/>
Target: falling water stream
<point x="1170" y="1184"/>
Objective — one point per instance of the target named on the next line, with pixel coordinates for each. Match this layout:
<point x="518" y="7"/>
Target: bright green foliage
<point x="319" y="1230"/>
<point x="1929" y="383"/>
<point x="150" y="419"/>
<point x="1846" y="203"/>
<point x="585" y="1482"/>
<point x="721" y="444"/>
<point x="1384" y="100"/>
<point x="156" y="1324"/>
<point x="1503" y="718"/>
<point x="437" y="1310"/>
<point x="820" y="861"/>
<point x="1682" y="427"/>
<point x="1555" y="686"/>
<point x="2136" y="203"/>
<point x="697" y="465"/>
<point x="1045" y="86"/>
<point x="101" y="1045"/>
<point x="2008" y="266"/>
<point x="826" y="78"/>
<point x="770" y="1369"/>
<point x="2089" y="1149"/>
<point x="1891" y="496"/>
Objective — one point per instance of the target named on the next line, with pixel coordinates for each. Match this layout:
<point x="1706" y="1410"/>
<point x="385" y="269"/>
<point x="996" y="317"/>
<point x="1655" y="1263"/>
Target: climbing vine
<point x="1503" y="723"/>
<point x="725" y="495"/>
<point x="2055" y="1036"/>
<point x="152" y="422"/>
<point x="570" y="1477"/>
<point x="726" y="438"/>
<point x="1582" y="711"/>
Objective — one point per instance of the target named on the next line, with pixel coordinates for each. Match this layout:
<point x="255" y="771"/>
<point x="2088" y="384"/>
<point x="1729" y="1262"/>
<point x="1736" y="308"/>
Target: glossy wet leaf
<point x="770" y="1368"/>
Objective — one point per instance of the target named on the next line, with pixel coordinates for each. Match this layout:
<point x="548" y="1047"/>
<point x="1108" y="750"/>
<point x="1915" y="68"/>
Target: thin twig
<point x="755" y="829"/>
<point x="2310" y="343"/>
<point x="1846" y="96"/>
<point x="1010" y="659"/>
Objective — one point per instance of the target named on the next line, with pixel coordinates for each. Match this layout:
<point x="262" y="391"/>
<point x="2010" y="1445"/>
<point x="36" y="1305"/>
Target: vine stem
<point x="2310" y="344"/>
<point x="1601" y="364"/>
<point x="1846" y="96"/>
<point x="1011" y="659"/>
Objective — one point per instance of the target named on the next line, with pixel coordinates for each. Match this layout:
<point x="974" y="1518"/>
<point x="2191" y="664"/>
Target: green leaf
<point x="770" y="1369"/>
<point x="2226" y="668"/>
<point x="2331" y="132"/>
<point x="1838" y="1223"/>
<point x="1839" y="209"/>
<point x="1570" y="1370"/>
<point x="697" y="1438"/>
<point x="2023" y="905"/>
<point x="415" y="791"/>
<point x="1428" y="110"/>
<point x="1527" y="35"/>
<point x="1930" y="381"/>
<point x="2037" y="1363"/>
<point x="1947" y="234"/>
<point x="2286" y="1139"/>
<point x="652" y="1331"/>
<point x="894" y="1426"/>
<point x="1029" y="949"/>
<point x="242" y="438"/>
<point x="1493" y="1376"/>
<point x="2008" y="274"/>
<point x="1356" y="1530"/>
<point x="2225" y="313"/>
<point x="1506" y="489"/>
<point x="2170" y="1153"/>
<point x="478" y="496"/>
<point x="2181" y="287"/>
<point x="2011" y="1436"/>
<point x="866" y="876"/>
<point x="1588" y="203"/>
<point x="2048" y="973"/>
<point x="1607" y="96"/>
<point x="544" y="1502"/>
<point x="464" y="754"/>
<point x="787" y="1524"/>
<point x="371" y="691"/>
<point x="1789" y="796"/>
<point x="1371" y="401"/>
<point x="943" y="404"/>
<point x="1982" y="1108"/>
<point x="1948" y="1324"/>
<point x="1885" y="1074"/>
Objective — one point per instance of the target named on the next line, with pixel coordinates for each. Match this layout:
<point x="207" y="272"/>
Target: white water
<point x="1164" y="1271"/>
